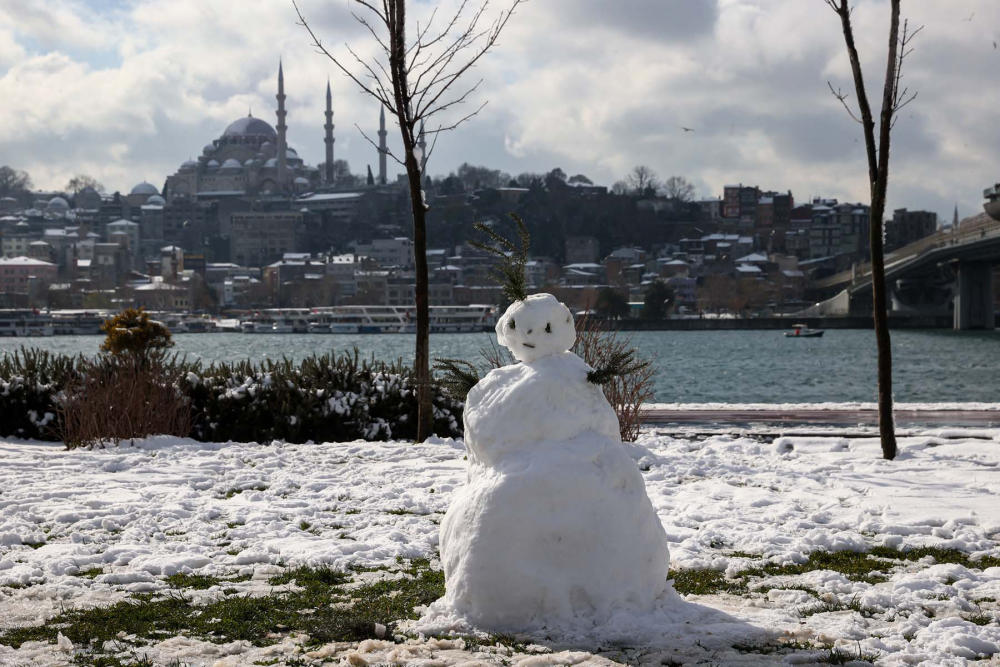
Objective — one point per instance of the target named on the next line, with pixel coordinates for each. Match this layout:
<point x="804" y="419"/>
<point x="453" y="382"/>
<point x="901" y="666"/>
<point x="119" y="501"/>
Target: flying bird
<point x="687" y="129"/>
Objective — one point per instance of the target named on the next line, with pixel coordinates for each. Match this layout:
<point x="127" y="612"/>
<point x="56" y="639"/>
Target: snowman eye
<point x="512" y="324"/>
<point x="548" y="327"/>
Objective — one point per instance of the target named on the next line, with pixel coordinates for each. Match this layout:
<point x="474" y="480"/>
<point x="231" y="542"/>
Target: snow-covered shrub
<point x="30" y="381"/>
<point x="324" y="398"/>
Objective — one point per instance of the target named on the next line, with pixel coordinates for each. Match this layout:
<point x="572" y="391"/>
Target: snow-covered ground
<point x="728" y="502"/>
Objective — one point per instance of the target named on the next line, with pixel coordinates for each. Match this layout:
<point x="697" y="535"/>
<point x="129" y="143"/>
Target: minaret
<point x="282" y="143"/>
<point x="382" y="150"/>
<point x="422" y="142"/>
<point x="329" y="134"/>
<point x="954" y="221"/>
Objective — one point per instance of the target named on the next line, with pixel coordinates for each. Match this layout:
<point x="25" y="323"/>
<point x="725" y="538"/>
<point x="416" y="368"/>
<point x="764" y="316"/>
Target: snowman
<point x="553" y="524"/>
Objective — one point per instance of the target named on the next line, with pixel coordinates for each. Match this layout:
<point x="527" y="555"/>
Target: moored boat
<point x="803" y="331"/>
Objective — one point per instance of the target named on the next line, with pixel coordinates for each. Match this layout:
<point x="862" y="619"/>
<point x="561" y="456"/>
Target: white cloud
<point x="127" y="94"/>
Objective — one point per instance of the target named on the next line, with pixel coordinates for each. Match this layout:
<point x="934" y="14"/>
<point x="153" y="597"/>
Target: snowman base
<point x="567" y="534"/>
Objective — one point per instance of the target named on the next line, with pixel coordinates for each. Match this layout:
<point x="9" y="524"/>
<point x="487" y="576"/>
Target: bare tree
<point x="14" y="182"/>
<point x="81" y="181"/>
<point x="678" y="187"/>
<point x="414" y="79"/>
<point x="641" y="179"/>
<point x="894" y="98"/>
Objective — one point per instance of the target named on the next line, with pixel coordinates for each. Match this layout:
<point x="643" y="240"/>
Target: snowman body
<point x="554" y="522"/>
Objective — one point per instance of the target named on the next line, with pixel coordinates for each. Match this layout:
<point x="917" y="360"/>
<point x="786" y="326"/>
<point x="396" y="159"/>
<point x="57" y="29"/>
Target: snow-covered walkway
<point x="727" y="502"/>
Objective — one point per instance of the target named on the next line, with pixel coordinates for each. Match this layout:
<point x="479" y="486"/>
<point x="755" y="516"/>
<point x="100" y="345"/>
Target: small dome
<point x="301" y="181"/>
<point x="145" y="188"/>
<point x="189" y="164"/>
<point x="249" y="163"/>
<point x="213" y="164"/>
<point x="156" y="200"/>
<point x="232" y="164"/>
<point x="273" y="162"/>
<point x="291" y="151"/>
<point x="208" y="149"/>
<point x="249" y="126"/>
<point x="267" y="145"/>
<point x="57" y="204"/>
<point x="89" y="191"/>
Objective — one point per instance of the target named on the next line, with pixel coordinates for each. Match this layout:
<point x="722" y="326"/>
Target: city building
<point x="18" y="273"/>
<point x="258" y="238"/>
<point x="907" y="227"/>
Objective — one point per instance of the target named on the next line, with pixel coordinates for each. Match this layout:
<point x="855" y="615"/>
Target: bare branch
<point x="457" y="123"/>
<point x="842" y="98"/>
<point x="323" y="50"/>
<point x="376" y="146"/>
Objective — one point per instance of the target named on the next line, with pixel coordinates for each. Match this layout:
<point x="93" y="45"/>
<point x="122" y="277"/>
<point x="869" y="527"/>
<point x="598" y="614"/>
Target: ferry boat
<point x="25" y="323"/>
<point x="803" y="331"/>
<point x="370" y="319"/>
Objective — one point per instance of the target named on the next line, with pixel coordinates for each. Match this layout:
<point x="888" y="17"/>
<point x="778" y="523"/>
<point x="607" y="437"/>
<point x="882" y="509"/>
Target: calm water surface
<point x="694" y="366"/>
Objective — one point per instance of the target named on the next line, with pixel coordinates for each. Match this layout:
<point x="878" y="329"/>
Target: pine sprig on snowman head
<point x="509" y="269"/>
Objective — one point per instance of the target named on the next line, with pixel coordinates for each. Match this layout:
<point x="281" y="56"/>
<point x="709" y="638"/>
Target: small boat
<point x="803" y="331"/>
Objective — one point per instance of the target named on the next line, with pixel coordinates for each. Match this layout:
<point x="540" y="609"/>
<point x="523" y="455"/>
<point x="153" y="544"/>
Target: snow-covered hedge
<point x="323" y="398"/>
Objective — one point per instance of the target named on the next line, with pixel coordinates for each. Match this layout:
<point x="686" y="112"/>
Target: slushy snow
<point x="163" y="507"/>
<point x="554" y="522"/>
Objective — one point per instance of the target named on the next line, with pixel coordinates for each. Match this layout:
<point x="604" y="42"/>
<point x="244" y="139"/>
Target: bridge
<point x="957" y="265"/>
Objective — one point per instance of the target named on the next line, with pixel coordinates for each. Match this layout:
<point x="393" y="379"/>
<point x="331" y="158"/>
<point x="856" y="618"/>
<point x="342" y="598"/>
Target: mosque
<point x="253" y="158"/>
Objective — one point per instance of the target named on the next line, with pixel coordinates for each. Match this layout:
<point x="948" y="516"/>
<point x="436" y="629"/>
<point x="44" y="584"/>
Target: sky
<point x="126" y="90"/>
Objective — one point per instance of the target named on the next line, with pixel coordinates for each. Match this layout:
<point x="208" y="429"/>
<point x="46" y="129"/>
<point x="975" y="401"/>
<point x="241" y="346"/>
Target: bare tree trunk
<point x="893" y="99"/>
<point x="401" y="93"/>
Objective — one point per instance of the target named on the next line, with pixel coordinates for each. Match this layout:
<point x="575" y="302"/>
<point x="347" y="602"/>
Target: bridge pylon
<point x="974" y="307"/>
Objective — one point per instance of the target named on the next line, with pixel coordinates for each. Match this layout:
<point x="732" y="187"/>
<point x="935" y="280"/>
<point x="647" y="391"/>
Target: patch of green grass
<point x="307" y="577"/>
<point x="856" y="566"/>
<point x="35" y="545"/>
<point x="90" y="573"/>
<point x="304" y="525"/>
<point x="323" y="608"/>
<point x="354" y="511"/>
<point x="15" y="586"/>
<point x="838" y="656"/>
<point x="940" y="556"/>
<point x="979" y="617"/>
<point x="401" y="512"/>
<point x="201" y="582"/>
<point x="235" y="492"/>
<point x="745" y="554"/>
<point x="706" y="582"/>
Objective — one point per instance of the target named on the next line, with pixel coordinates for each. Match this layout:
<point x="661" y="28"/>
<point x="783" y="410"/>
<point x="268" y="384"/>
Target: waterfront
<point x="694" y="367"/>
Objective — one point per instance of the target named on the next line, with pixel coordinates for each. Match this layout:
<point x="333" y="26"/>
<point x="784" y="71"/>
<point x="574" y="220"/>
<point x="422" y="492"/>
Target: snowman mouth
<point x="529" y="345"/>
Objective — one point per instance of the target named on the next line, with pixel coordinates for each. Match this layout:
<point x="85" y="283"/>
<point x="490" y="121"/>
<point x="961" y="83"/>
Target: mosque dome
<point x="208" y="149"/>
<point x="57" y="204"/>
<point x="145" y="188"/>
<point x="291" y="151"/>
<point x="189" y="164"/>
<point x="273" y="162"/>
<point x="232" y="163"/>
<point x="213" y="164"/>
<point x="249" y="163"/>
<point x="156" y="200"/>
<point x="249" y="126"/>
<point x="301" y="181"/>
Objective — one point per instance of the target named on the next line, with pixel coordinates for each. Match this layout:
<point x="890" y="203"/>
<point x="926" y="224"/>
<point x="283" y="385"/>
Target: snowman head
<point x="536" y="327"/>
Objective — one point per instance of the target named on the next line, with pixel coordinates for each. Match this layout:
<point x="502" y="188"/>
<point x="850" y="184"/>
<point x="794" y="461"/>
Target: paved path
<point x="980" y="418"/>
